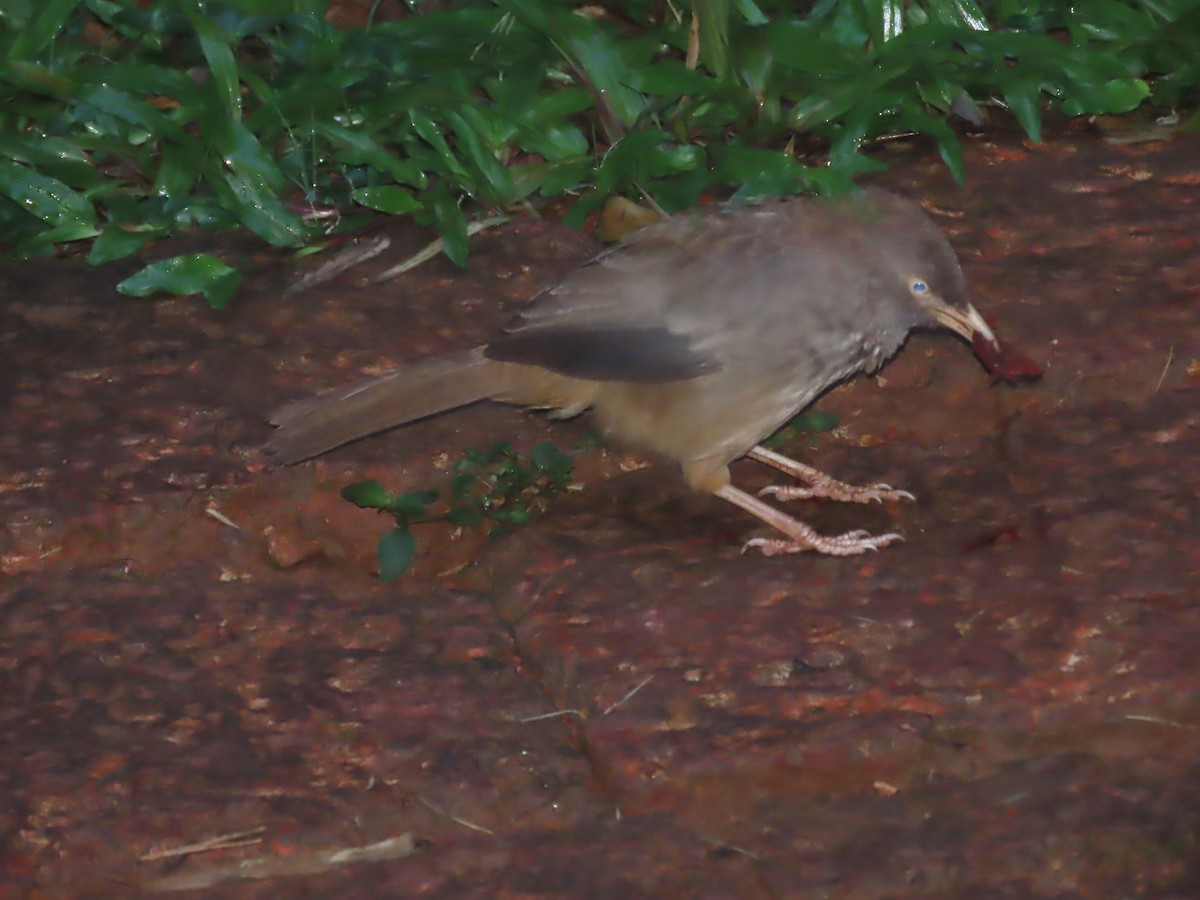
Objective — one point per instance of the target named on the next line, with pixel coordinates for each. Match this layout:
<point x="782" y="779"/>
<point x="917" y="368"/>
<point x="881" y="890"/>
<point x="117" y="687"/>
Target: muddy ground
<point x="206" y="688"/>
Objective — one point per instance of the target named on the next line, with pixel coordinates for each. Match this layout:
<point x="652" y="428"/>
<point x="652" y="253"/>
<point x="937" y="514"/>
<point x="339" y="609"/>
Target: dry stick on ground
<point x="457" y="820"/>
<point x="434" y="248"/>
<point x="399" y="847"/>
<point x="348" y="258"/>
<point x="220" y="842"/>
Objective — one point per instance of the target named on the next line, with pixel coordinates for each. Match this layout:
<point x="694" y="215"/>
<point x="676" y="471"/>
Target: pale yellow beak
<point x="964" y="320"/>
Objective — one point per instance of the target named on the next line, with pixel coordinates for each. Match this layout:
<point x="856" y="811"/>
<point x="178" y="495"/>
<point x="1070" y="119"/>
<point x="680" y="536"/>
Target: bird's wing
<point x="652" y="354"/>
<point x="704" y="292"/>
<point x="608" y="320"/>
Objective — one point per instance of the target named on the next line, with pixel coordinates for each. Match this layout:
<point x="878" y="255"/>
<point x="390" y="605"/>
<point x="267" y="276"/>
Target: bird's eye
<point x="918" y="287"/>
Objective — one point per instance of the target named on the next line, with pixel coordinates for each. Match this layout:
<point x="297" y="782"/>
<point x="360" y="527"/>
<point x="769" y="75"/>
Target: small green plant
<point x="808" y="422"/>
<point x="122" y="123"/>
<point x="496" y="485"/>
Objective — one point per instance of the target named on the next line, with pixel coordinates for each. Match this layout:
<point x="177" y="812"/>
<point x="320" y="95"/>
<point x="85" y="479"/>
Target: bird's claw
<point x="852" y="543"/>
<point x="836" y="490"/>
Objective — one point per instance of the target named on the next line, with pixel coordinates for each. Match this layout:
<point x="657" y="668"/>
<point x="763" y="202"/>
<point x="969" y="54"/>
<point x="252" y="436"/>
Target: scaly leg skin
<point x="800" y="536"/>
<point x="820" y="484"/>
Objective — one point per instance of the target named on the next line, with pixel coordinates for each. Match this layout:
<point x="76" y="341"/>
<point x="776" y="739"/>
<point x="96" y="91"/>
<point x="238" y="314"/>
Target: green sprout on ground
<point x="497" y="485"/>
<point x="809" y="422"/>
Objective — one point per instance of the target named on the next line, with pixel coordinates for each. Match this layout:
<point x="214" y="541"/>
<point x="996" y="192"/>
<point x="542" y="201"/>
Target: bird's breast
<point x="721" y="416"/>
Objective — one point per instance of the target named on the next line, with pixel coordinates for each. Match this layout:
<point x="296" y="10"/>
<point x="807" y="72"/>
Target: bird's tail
<point x="311" y="427"/>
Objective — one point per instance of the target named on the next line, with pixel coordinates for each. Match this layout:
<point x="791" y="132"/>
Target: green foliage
<point x="809" y="422"/>
<point x="122" y="122"/>
<point x="201" y="273"/>
<point x="496" y="485"/>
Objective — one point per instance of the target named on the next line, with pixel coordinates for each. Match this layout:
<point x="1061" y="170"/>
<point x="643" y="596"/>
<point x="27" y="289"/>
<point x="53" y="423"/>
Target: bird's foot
<point x="852" y="543"/>
<point x="832" y="489"/>
<point x="819" y="485"/>
<point x="798" y="536"/>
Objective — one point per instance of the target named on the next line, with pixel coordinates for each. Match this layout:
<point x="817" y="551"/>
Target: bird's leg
<point x="800" y="537"/>
<point x="819" y="484"/>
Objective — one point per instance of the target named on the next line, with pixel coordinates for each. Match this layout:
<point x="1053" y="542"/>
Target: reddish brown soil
<point x="1005" y="705"/>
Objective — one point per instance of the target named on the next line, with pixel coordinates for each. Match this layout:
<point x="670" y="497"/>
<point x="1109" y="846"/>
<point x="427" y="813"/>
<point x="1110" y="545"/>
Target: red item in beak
<point x="1003" y="363"/>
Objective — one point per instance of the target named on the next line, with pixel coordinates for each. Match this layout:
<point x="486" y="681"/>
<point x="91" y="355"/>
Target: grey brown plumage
<point x="696" y="338"/>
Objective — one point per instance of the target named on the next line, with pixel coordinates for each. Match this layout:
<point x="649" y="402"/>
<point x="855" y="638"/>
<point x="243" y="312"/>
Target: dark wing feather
<point x="637" y="354"/>
<point x="608" y="320"/>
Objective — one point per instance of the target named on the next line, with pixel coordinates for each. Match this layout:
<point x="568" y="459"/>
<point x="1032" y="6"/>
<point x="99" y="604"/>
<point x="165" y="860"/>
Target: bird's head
<point x="917" y="262"/>
<point x="937" y="287"/>
<point x="920" y="266"/>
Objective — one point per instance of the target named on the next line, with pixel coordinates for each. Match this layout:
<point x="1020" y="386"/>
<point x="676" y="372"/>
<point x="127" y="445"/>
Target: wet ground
<point x="205" y="687"/>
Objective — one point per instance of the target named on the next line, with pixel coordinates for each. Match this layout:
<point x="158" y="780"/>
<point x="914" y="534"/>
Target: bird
<point x="695" y="339"/>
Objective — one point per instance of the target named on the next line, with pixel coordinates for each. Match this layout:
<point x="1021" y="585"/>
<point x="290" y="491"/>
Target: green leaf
<point x="43" y="151"/>
<point x="1024" y="99"/>
<point x="183" y="275"/>
<point x="759" y="172"/>
<point x="133" y="111"/>
<point x="64" y="234"/>
<point x="244" y="154"/>
<point x="644" y="154"/>
<point x="259" y="209"/>
<point x="814" y="421"/>
<point x="178" y="169"/>
<point x="412" y="504"/>
<point x="551" y="178"/>
<point x="462" y="483"/>
<point x="513" y="516"/>
<point x="115" y="243"/>
<point x="960" y="13"/>
<point x="671" y="78"/>
<point x="36" y="79"/>
<point x="368" y="494"/>
<point x="884" y="19"/>
<point x="712" y="17"/>
<point x="591" y="201"/>
<point x="470" y="130"/>
<point x="221" y="63"/>
<point x="396" y="551"/>
<point x="949" y="146"/>
<point x="204" y="212"/>
<point x="546" y="457"/>
<point x="754" y="61"/>
<point x="452" y="225"/>
<point x="595" y="50"/>
<point x="142" y="79"/>
<point x="464" y="516"/>
<point x="750" y="12"/>
<point x="386" y="198"/>
<point x="37" y="34"/>
<point x="1115" y="96"/>
<point x="221" y="288"/>
<point x="431" y="133"/>
<point x="44" y="197"/>
<point x="800" y="45"/>
<point x="552" y="107"/>
<point x="357" y="148"/>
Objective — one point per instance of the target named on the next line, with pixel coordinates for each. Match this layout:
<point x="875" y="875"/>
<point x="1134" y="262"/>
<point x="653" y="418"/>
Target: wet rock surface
<point x="614" y="699"/>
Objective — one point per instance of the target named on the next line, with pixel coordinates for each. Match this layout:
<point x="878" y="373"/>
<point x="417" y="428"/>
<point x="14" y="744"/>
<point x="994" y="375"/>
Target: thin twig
<point x="645" y="681"/>
<point x="649" y="198"/>
<point x="221" y="517"/>
<point x="298" y="863"/>
<point x="220" y="842"/>
<point x="1155" y="720"/>
<point x="724" y="845"/>
<point x="1163" y="376"/>
<point x="433" y="249"/>
<point x="354" y="255"/>
<point x="551" y="715"/>
<point x="465" y="823"/>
